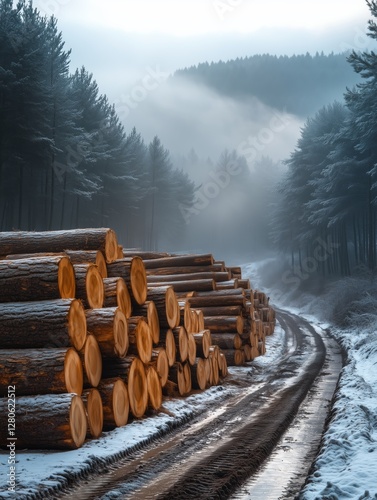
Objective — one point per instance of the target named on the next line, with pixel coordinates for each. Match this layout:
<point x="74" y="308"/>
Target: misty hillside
<point x="299" y="84"/>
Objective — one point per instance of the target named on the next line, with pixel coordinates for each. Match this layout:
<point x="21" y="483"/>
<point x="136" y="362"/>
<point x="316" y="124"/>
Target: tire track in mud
<point x="215" y="454"/>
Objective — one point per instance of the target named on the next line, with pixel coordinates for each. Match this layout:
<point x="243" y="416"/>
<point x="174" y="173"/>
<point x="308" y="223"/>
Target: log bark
<point x="181" y="341"/>
<point x="143" y="254"/>
<point x="133" y="272"/>
<point x="177" y="376"/>
<point x="34" y="279"/>
<point x="89" y="257"/>
<point x="116" y="405"/>
<point x="218" y="277"/>
<point x="154" y="388"/>
<point x="227" y="340"/>
<point x="109" y="326"/>
<point x="58" y="241"/>
<point x="94" y="412"/>
<point x="224" y="324"/>
<point x="91" y="360"/>
<point x="41" y="371"/>
<point x="227" y="285"/>
<point x="203" y="341"/>
<point x="50" y="421"/>
<point x="89" y="285"/>
<point x="140" y="338"/>
<point x="187" y="286"/>
<point x="198" y="374"/>
<point x="166" y="304"/>
<point x="215" y="300"/>
<point x="117" y="295"/>
<point x="150" y="313"/>
<point x="179" y="260"/>
<point x="222" y="311"/>
<point x="161" y="271"/>
<point x="235" y="271"/>
<point x="49" y="323"/>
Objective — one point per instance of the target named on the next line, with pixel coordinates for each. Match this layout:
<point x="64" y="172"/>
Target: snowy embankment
<point x="346" y="466"/>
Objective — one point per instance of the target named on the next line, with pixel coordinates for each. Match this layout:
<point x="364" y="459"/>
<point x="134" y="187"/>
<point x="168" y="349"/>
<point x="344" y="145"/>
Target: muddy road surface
<point x="258" y="443"/>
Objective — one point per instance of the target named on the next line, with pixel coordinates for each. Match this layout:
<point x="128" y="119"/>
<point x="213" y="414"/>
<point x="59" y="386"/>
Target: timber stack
<point x="93" y="335"/>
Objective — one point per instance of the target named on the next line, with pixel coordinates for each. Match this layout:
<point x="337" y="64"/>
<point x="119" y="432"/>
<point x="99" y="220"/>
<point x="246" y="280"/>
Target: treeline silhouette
<point x="298" y="84"/>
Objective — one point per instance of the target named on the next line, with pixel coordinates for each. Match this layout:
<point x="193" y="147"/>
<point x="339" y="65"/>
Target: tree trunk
<point x="191" y="356"/>
<point x="166" y="304"/>
<point x="227" y="340"/>
<point x="154" y="388"/>
<point x="140" y="338"/>
<point x="150" y="313"/>
<point x="222" y="311"/>
<point x="50" y="421"/>
<point x="34" y="279"/>
<point x="215" y="299"/>
<point x="49" y="323"/>
<point x="234" y="357"/>
<point x="187" y="377"/>
<point x="89" y="285"/>
<point x="224" y="324"/>
<point x="177" y="376"/>
<point x="160" y="362"/>
<point x="187" y="286"/>
<point x="161" y="271"/>
<point x="181" y="341"/>
<point x="94" y="410"/>
<point x="180" y="260"/>
<point x="116" y="405"/>
<point x="198" y="374"/>
<point x="109" y="326"/>
<point x="129" y="252"/>
<point x="218" y="277"/>
<point x="91" y="359"/>
<point x="133" y="272"/>
<point x="58" y="241"/>
<point x="167" y="341"/>
<point x="203" y="341"/>
<point x="89" y="257"/>
<point x="117" y="295"/>
<point x="223" y="366"/>
<point x="40" y="371"/>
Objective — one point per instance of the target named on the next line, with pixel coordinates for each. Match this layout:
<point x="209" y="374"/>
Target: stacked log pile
<point x="92" y="334"/>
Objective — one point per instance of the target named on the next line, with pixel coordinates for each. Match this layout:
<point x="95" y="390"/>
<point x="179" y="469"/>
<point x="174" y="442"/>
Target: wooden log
<point x="191" y="355"/>
<point x="58" y="241"/>
<point x="247" y="351"/>
<point x="222" y="311"/>
<point x="220" y="293"/>
<point x="160" y="362"/>
<point x="49" y="323"/>
<point x="166" y="304"/>
<point x="91" y="360"/>
<point x="181" y="341"/>
<point x="235" y="271"/>
<point x="227" y="340"/>
<point x="218" y="277"/>
<point x="41" y="371"/>
<point x="150" y="313"/>
<point x="223" y="366"/>
<point x="207" y="367"/>
<point x="154" y="388"/>
<point x="33" y="279"/>
<point x="143" y="254"/>
<point x="94" y="412"/>
<point x="133" y="272"/>
<point x="234" y="357"/>
<point x="89" y="285"/>
<point x="227" y="285"/>
<point x="243" y="283"/>
<point x="161" y="271"/>
<point x="116" y="405"/>
<point x="140" y="338"/>
<point x="120" y="252"/>
<point x="198" y="374"/>
<point x="187" y="377"/>
<point x="89" y="257"/>
<point x="214" y="378"/>
<point x="200" y="323"/>
<point x="203" y="341"/>
<point x="49" y="421"/>
<point x="177" y="376"/>
<point x="167" y="341"/>
<point x="215" y="300"/>
<point x="194" y="325"/>
<point x="185" y="315"/>
<point x="179" y="260"/>
<point x="226" y="324"/>
<point x="109" y="326"/>
<point x="137" y="388"/>
<point x="187" y="286"/>
<point x="117" y="295"/>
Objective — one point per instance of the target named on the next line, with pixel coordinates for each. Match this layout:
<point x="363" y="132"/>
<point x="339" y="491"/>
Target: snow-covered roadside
<point x="346" y="466"/>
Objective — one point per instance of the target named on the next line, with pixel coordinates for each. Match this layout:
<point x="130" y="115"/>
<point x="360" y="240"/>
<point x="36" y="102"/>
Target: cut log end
<point x="77" y="324"/>
<point x="121" y="341"/>
<point x="172" y="308"/>
<point x="94" y="410"/>
<point x="170" y="347"/>
<point x="137" y="388"/>
<point x="123" y="298"/>
<point x="92" y="361"/>
<point x="66" y="279"/>
<point x="94" y="288"/>
<point x="153" y="322"/>
<point x="121" y="403"/>
<point x="154" y="388"/>
<point x="73" y="372"/>
<point x="138" y="279"/>
<point x="77" y="421"/>
<point x="111" y="246"/>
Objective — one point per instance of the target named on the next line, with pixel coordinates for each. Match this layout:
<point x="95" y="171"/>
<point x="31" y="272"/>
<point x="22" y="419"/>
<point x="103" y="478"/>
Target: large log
<point x="57" y="241"/>
<point x="227" y="340"/>
<point x="234" y="357"/>
<point x="127" y="252"/>
<point x="89" y="285"/>
<point x="40" y="371"/>
<point x="187" y="286"/>
<point x="167" y="341"/>
<point x="166" y="304"/>
<point x="191" y="356"/>
<point x="222" y="310"/>
<point x="50" y="421"/>
<point x="160" y="362"/>
<point x="150" y="313"/>
<point x="116" y="405"/>
<point x="203" y="341"/>
<point x="109" y="326"/>
<point x="133" y="272"/>
<point x="226" y="324"/>
<point x="91" y="359"/>
<point x="198" y="374"/>
<point x="161" y="271"/>
<point x="117" y="295"/>
<point x="177" y="376"/>
<point x="49" y="323"/>
<point x="94" y="411"/>
<point x="187" y="377"/>
<point x="33" y="279"/>
<point x="214" y="299"/>
<point x="179" y="260"/>
<point x="218" y="277"/>
<point x="140" y="338"/>
<point x="89" y="257"/>
<point x="154" y="388"/>
<point x="181" y="341"/>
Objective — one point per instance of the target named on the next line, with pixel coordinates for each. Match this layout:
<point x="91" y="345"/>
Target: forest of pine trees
<point x="329" y="194"/>
<point x="65" y="159"/>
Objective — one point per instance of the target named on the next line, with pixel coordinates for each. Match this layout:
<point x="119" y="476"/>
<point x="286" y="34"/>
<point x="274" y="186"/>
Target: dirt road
<point x="226" y="452"/>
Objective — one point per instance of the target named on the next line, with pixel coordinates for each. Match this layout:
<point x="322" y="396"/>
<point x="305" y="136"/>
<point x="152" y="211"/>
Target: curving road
<point x="258" y="444"/>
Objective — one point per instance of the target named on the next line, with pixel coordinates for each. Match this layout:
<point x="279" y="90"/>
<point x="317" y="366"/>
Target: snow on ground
<point x="346" y="467"/>
<point x="36" y="469"/>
